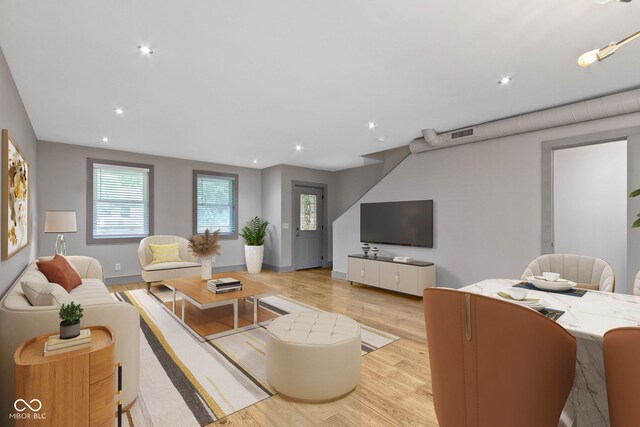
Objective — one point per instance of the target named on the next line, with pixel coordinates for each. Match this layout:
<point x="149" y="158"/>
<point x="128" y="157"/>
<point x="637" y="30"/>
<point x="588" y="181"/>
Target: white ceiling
<point x="236" y="80"/>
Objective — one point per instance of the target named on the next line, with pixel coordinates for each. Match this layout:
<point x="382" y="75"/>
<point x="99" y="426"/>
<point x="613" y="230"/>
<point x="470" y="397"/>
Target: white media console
<point x="381" y="272"/>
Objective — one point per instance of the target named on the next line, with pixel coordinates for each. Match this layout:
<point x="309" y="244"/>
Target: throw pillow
<point x="49" y="258"/>
<point x="59" y="271"/>
<point x="44" y="293"/>
<point x="165" y="253"/>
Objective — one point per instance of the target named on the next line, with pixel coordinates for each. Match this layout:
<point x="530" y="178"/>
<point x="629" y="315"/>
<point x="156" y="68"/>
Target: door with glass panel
<point x="307" y="247"/>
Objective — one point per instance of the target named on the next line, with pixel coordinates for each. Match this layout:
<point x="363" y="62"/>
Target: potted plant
<point x="205" y="246"/>
<point x="70" y="314"/>
<point x="253" y="234"/>
<point x="636" y="223"/>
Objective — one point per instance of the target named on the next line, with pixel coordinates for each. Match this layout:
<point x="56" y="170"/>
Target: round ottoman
<point x="313" y="356"/>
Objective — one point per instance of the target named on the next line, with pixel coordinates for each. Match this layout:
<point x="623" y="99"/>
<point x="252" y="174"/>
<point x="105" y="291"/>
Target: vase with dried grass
<point x="204" y="246"/>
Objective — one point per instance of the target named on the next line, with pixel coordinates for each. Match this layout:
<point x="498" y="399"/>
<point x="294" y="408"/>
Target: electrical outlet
<point x="213" y="259"/>
<point x="117" y="267"/>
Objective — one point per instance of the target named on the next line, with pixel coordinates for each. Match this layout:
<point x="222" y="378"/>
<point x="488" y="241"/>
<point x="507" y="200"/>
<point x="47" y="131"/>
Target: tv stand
<point x="382" y="272"/>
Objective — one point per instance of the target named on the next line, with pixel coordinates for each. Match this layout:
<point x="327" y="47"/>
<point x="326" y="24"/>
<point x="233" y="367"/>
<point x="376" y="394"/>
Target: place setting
<point x="551" y="282"/>
<point x="521" y="296"/>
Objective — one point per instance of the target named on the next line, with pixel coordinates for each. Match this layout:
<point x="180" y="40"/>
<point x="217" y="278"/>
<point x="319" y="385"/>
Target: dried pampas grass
<point x="205" y="245"/>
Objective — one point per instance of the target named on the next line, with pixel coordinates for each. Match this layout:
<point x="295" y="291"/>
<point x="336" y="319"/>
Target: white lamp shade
<point x="60" y="222"/>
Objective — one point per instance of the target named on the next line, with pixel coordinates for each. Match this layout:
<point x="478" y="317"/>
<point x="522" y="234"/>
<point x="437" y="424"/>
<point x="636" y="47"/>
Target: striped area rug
<point x="186" y="382"/>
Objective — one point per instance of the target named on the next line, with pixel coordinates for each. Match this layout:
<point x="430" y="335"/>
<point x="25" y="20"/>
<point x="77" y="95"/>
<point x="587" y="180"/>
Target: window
<point x="215" y="197"/>
<point x="308" y="212"/>
<point x="119" y="204"/>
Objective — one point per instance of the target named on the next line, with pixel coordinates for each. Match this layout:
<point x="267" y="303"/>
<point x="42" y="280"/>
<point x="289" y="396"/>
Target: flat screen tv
<point x="397" y="223"/>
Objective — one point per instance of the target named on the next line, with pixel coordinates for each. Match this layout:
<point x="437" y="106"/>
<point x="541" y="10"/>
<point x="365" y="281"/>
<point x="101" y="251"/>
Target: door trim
<point x="548" y="148"/>
<point x="325" y="216"/>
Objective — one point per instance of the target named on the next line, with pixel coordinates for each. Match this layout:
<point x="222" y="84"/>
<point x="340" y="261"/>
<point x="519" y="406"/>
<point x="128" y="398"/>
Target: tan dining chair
<point x="621" y="349"/>
<point x="495" y="363"/>
<point x="587" y="271"/>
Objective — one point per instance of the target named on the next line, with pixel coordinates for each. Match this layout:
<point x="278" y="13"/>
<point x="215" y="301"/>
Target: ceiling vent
<point x="592" y="109"/>
<point x="460" y="134"/>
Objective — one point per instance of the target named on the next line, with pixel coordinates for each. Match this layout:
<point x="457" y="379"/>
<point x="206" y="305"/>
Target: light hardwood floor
<point x="395" y="385"/>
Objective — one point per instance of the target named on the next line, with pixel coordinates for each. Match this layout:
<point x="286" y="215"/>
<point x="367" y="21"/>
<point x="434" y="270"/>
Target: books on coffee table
<point x="225" y="284"/>
<point x="56" y="345"/>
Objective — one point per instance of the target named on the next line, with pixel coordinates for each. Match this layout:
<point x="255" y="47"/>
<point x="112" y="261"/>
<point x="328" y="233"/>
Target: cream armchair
<point x="588" y="272"/>
<point x="636" y="284"/>
<point x="189" y="266"/>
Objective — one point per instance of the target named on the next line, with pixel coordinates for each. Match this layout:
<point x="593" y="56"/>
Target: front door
<point x="307" y="248"/>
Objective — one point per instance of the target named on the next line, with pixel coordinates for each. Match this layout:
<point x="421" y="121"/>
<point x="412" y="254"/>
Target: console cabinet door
<point x="407" y="279"/>
<point x="371" y="272"/>
<point x="356" y="270"/>
<point x="389" y="276"/>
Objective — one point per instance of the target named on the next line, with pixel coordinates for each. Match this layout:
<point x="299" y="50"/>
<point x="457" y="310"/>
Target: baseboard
<point x="287" y="269"/>
<point x="338" y="275"/>
<point x="227" y="268"/>
<point x="121" y="280"/>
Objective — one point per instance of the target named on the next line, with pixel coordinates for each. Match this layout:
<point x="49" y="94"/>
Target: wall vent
<point x="464" y="133"/>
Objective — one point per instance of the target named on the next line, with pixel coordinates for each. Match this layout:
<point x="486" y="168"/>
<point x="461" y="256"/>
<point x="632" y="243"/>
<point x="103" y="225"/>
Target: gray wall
<point x="487" y="199"/>
<point x="14" y="117"/>
<point x="62" y="183"/>
<point x="271" y="211"/>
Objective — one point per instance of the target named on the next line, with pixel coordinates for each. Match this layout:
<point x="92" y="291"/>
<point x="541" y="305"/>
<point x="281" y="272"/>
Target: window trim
<point x="97" y="241"/>
<point x="194" y="205"/>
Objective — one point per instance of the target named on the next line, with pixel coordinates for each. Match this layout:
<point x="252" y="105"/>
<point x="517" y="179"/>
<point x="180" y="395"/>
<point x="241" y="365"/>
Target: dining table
<point x="587" y="317"/>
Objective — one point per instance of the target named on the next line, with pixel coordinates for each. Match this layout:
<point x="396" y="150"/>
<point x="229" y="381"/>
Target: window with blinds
<point x="216" y="203"/>
<point x="120" y="199"/>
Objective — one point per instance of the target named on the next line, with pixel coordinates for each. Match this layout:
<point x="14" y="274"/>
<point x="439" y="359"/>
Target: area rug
<point x="186" y="382"/>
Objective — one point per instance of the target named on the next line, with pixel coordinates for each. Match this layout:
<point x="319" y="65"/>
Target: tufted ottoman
<point x="313" y="356"/>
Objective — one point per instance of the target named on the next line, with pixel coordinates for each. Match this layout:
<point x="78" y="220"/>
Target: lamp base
<point x="60" y="247"/>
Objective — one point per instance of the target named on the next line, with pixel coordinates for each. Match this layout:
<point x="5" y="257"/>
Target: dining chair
<point x="621" y="349"/>
<point x="636" y="284"/>
<point x="587" y="271"/>
<point x="495" y="363"/>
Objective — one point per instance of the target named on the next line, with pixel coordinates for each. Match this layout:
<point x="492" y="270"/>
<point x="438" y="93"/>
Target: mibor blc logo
<point x="28" y="410"/>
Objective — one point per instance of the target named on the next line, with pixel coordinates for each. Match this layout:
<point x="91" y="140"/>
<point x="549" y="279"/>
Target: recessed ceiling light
<point x="119" y="111"/>
<point x="298" y="147"/>
<point x="145" y="50"/>
<point x="372" y="125"/>
<point x="255" y="161"/>
<point x="504" y="80"/>
<point x="105" y="139"/>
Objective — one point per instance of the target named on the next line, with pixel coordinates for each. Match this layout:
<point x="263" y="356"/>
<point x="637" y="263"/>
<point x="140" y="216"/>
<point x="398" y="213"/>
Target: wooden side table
<point x="76" y="388"/>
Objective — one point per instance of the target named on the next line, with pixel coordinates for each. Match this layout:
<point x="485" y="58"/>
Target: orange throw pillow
<point x="59" y="271"/>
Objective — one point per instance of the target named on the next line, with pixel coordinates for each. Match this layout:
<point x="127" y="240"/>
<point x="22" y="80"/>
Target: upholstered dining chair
<point x="588" y="272"/>
<point x="621" y="350"/>
<point x="636" y="284"/>
<point x="495" y="363"/>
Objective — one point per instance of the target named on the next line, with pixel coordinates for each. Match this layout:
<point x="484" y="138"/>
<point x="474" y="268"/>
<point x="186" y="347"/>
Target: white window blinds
<point x="120" y="201"/>
<point x="216" y="203"/>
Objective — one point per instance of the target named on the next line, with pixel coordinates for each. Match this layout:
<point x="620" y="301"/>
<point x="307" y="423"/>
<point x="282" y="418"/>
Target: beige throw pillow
<point x="45" y="293"/>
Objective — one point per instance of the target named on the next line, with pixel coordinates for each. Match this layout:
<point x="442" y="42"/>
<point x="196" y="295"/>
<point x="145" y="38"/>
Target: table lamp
<point x="60" y="222"/>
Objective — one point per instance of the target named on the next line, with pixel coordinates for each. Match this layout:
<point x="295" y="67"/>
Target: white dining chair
<point x="636" y="284"/>
<point x="587" y="271"/>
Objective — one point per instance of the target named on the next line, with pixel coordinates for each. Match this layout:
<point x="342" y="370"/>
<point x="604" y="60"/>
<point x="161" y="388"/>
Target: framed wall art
<point x="16" y="193"/>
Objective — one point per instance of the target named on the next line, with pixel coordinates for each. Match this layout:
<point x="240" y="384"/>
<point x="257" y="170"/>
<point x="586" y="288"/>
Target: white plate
<point x="537" y="306"/>
<point x="558" y="286"/>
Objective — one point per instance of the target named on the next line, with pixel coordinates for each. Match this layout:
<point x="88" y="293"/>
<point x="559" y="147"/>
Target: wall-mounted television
<point x="407" y="223"/>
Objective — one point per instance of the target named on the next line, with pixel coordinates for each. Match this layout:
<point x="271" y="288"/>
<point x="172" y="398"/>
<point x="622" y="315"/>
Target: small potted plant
<point x="636" y="223"/>
<point x="70" y="314"/>
<point x="204" y="246"/>
<point x="253" y="235"/>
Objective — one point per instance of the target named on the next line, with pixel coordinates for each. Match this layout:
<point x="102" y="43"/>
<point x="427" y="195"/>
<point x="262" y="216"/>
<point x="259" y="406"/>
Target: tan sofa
<point x="151" y="273"/>
<point x="19" y="321"/>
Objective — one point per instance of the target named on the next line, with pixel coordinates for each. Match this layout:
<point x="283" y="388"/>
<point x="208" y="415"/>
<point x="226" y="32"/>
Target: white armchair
<point x="588" y="272"/>
<point x="189" y="266"/>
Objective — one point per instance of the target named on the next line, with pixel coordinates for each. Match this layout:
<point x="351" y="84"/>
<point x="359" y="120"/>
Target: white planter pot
<point x="206" y="268"/>
<point x="254" y="256"/>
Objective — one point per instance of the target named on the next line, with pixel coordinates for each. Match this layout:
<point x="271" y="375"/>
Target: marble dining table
<point x="587" y="318"/>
